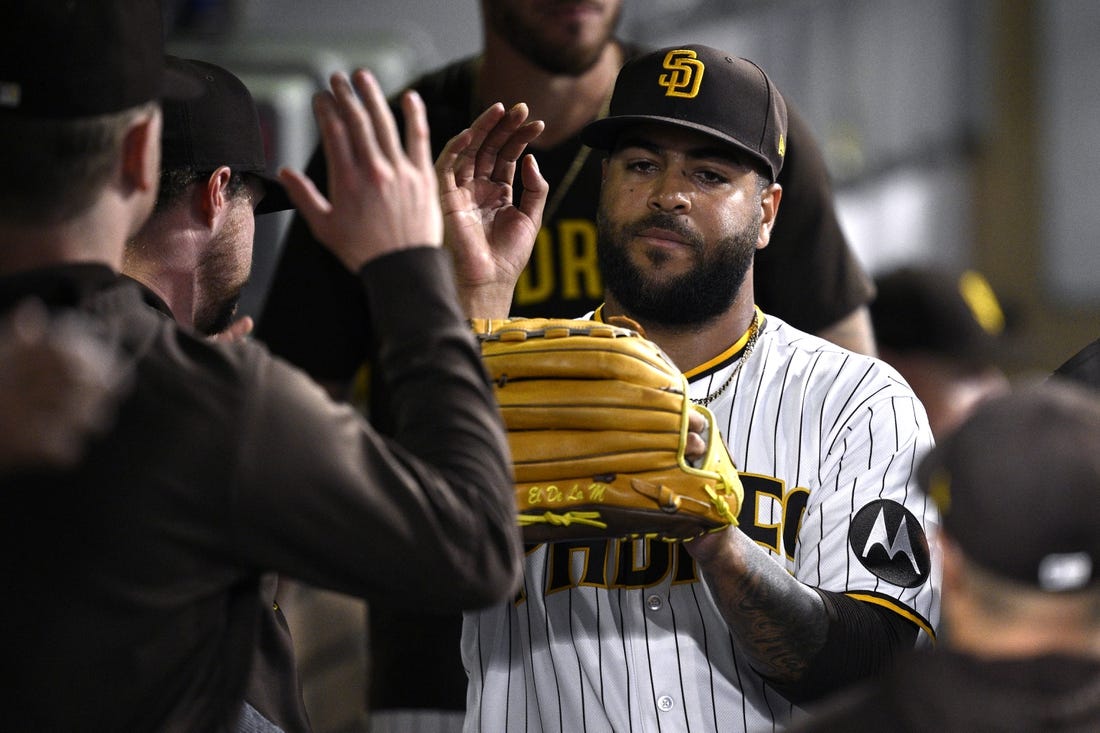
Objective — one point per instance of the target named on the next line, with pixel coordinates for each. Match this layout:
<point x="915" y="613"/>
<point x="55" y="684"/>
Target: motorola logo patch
<point x="890" y="542"/>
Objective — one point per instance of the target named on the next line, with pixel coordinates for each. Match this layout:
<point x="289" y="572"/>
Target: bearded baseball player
<point x="826" y="576"/>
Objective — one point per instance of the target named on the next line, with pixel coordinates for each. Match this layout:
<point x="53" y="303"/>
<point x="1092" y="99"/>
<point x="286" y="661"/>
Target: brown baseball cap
<point x="81" y="58"/>
<point x="703" y="89"/>
<point x="219" y="126"/>
<point x="929" y="310"/>
<point x="1018" y="485"/>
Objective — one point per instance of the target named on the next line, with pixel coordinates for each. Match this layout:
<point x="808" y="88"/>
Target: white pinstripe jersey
<point x="624" y="636"/>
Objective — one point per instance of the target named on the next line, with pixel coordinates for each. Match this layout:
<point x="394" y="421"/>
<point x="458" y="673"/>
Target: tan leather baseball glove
<point x="597" y="419"/>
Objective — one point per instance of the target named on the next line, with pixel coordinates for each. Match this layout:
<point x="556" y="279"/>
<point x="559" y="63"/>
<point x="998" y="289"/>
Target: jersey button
<point x="654" y="602"/>
<point x="665" y="703"/>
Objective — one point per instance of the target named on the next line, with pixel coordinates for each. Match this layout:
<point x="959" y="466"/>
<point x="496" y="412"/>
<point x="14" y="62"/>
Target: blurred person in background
<point x="1018" y="487"/>
<point x="946" y="334"/>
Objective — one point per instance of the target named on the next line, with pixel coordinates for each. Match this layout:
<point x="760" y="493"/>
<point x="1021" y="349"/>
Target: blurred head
<point x="79" y="81"/>
<point x="224" y="266"/>
<point x="559" y="36"/>
<point x="1018" y="486"/>
<point x="1018" y="489"/>
<point x="946" y="334"/>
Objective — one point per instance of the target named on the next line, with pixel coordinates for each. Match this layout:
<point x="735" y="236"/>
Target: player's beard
<point x="529" y="38"/>
<point x="691" y="299"/>
<point x="221" y="275"/>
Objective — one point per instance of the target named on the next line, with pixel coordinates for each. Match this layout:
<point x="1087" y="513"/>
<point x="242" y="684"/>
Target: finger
<point x="535" y="191"/>
<point x="334" y="139"/>
<point x="360" y="133"/>
<point x="697" y="422"/>
<point x="694" y="447"/>
<point x="488" y="155"/>
<point x="383" y="126"/>
<point x="481" y="128"/>
<point x="417" y="135"/>
<point x="235" y="332"/>
<point x="448" y="159"/>
<point x="513" y="148"/>
<point x="305" y="196"/>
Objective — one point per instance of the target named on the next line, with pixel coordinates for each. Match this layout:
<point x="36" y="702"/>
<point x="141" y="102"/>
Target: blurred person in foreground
<point x="136" y="575"/>
<point x="1018" y="486"/>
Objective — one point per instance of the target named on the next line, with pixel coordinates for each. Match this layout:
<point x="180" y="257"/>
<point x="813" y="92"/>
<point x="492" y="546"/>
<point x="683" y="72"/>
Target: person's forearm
<point x="777" y="621"/>
<point x="854" y="332"/>
<point x="486" y="302"/>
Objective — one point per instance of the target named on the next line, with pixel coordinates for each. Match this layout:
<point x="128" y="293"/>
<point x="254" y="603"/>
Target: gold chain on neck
<point x="754" y="332"/>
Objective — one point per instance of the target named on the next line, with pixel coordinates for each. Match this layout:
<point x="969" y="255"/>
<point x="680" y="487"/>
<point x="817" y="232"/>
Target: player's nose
<point x="669" y="193"/>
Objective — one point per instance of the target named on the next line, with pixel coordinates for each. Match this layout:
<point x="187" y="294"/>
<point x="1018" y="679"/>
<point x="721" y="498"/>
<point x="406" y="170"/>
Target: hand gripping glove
<point x="597" y="419"/>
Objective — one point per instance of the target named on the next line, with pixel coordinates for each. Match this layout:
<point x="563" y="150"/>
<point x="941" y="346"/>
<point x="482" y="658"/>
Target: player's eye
<point x="641" y="165"/>
<point x="712" y="177"/>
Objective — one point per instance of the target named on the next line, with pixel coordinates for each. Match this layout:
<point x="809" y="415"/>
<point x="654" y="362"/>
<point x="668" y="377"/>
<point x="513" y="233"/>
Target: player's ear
<point x="215" y="195"/>
<point x="141" y="152"/>
<point x="769" y="209"/>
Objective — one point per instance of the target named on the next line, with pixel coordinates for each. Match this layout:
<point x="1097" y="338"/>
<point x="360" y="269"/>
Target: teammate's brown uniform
<point x="135" y="581"/>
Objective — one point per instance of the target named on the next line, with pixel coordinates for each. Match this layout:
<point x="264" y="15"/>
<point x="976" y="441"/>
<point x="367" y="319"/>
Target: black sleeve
<point x="864" y="640"/>
<point x="808" y="274"/>
<point x="1083" y="367"/>
<point x="315" y="314"/>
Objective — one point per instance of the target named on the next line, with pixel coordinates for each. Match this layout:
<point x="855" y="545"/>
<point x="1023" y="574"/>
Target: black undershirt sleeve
<point x="864" y="640"/>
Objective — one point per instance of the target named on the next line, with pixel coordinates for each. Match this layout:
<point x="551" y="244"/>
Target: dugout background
<point x="959" y="132"/>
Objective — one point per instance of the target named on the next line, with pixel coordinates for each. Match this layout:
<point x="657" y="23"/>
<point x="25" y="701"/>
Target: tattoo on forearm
<point x="778" y="622"/>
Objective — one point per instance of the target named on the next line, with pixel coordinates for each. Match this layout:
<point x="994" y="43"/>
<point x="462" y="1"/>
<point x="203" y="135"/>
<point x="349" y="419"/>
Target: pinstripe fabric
<point x="623" y="636"/>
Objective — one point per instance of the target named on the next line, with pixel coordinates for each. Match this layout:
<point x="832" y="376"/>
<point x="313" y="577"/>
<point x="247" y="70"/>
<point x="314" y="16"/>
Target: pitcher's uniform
<point x="624" y="636"/>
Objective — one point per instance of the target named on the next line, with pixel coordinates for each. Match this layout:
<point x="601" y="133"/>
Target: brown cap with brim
<point x="702" y="89"/>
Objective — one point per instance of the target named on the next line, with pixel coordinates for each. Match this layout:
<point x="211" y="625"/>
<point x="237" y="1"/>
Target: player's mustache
<point x="669" y="222"/>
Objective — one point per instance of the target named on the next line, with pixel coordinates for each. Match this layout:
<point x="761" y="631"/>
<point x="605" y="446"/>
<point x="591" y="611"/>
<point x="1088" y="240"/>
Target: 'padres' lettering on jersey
<point x="562" y="267"/>
<point x="624" y="636"/>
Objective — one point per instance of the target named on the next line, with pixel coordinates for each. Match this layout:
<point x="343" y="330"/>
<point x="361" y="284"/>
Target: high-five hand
<point x="382" y="198"/>
<point x="491" y="238"/>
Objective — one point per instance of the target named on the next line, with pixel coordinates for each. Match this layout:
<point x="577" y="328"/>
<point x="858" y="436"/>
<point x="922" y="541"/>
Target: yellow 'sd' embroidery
<point x="685" y="74"/>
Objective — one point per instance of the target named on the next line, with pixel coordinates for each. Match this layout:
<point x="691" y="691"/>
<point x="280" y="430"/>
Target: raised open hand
<point x="382" y="197"/>
<point x="491" y="237"/>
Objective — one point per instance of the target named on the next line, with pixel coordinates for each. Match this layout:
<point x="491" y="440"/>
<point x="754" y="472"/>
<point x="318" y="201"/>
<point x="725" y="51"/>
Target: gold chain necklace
<point x="754" y="331"/>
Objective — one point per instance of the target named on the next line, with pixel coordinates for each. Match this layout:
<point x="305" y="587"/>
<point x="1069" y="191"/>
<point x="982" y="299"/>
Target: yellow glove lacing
<point x="592" y="519"/>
